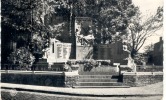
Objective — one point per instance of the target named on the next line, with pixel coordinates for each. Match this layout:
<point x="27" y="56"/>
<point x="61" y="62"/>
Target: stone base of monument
<point x="40" y="65"/>
<point x="75" y="68"/>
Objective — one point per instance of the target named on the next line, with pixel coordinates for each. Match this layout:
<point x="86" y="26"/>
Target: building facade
<point x="158" y="53"/>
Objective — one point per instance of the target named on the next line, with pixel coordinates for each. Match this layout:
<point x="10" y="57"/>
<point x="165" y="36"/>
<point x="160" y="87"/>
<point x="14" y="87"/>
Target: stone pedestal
<point x="75" y="68"/>
<point x="71" y="78"/>
<point x="131" y="64"/>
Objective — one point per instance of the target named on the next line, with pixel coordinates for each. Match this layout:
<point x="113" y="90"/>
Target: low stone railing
<point x="44" y="78"/>
<point x="141" y="78"/>
<point x="31" y="72"/>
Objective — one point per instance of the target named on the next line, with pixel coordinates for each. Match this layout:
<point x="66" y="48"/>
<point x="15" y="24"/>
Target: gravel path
<point x="154" y="89"/>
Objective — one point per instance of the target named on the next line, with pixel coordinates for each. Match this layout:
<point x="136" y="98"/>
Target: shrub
<point x="22" y="58"/>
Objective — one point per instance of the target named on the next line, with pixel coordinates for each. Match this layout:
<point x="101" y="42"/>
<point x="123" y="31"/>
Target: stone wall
<point x="152" y="69"/>
<point x="141" y="78"/>
<point x="113" y="52"/>
<point x="43" y="79"/>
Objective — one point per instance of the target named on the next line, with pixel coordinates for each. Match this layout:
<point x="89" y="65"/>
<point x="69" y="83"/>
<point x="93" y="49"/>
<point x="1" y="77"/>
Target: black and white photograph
<point x="82" y="49"/>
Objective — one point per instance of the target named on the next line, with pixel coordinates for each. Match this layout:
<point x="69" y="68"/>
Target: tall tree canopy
<point x="28" y="22"/>
<point x="24" y="23"/>
<point x="139" y="31"/>
<point x="110" y="17"/>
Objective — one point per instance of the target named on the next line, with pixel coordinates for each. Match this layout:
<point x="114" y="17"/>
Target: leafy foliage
<point x="25" y="21"/>
<point x="22" y="58"/>
<point x="31" y="21"/>
<point x="140" y="58"/>
<point x="110" y="17"/>
<point x="149" y="48"/>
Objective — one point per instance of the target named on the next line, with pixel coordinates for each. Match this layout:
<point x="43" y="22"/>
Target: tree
<point x="140" y="58"/>
<point x="24" y="23"/>
<point x="138" y="31"/>
<point x="110" y="17"/>
<point x="149" y="53"/>
<point x="16" y="25"/>
<point x="149" y="48"/>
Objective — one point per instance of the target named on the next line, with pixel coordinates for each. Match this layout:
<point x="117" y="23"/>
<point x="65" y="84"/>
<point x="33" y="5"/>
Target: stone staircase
<point x="99" y="81"/>
<point x="99" y="77"/>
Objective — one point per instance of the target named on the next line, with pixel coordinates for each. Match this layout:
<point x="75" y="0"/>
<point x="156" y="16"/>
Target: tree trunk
<point x="133" y="53"/>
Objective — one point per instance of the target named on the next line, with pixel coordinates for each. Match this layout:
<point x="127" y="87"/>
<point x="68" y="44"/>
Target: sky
<point x="147" y="8"/>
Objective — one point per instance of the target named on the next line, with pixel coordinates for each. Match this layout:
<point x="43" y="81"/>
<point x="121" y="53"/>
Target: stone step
<point x="97" y="80"/>
<point x="43" y="60"/>
<point x="99" y="76"/>
<point x="99" y="84"/>
<point x="98" y="73"/>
